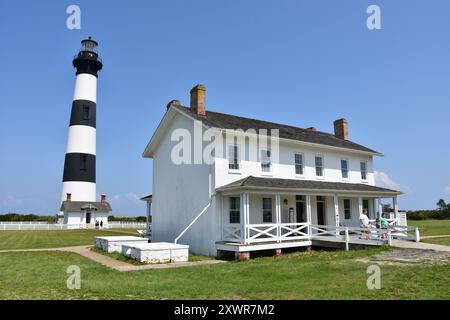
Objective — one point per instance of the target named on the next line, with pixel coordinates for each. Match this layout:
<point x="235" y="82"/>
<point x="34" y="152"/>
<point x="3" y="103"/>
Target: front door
<point x="320" y="210"/>
<point x="88" y="217"/>
<point x="301" y="216"/>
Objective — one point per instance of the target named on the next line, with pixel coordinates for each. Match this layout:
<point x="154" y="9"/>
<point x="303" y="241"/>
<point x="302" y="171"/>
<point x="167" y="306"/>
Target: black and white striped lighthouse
<point x="79" y="164"/>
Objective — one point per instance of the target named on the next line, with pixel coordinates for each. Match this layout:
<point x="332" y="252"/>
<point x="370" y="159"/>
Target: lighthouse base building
<point x="85" y="214"/>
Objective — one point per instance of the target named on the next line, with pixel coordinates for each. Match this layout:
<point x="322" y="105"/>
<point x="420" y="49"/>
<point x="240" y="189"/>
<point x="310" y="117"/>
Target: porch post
<point x="395" y="206"/>
<point x="278" y="215"/>
<point x="245" y="204"/>
<point x="336" y="213"/>
<point x="374" y="208"/>
<point x="360" y="205"/>
<point x="308" y="213"/>
<point x="380" y="208"/>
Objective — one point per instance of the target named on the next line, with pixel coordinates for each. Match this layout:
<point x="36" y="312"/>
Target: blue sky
<point x="303" y="63"/>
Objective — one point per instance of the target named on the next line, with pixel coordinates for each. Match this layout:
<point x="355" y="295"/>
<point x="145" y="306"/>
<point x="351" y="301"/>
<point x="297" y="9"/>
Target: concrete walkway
<point x="419" y="245"/>
<point x="109" y="262"/>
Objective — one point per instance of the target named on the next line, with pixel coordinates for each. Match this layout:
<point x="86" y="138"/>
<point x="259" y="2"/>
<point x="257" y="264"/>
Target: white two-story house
<point x="256" y="192"/>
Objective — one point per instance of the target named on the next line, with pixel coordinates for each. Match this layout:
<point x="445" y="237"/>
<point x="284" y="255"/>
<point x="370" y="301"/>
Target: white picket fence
<point x="32" y="225"/>
<point x="126" y="224"/>
<point x="40" y="226"/>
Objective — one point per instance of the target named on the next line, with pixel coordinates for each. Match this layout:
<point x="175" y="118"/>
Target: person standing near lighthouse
<point x="79" y="178"/>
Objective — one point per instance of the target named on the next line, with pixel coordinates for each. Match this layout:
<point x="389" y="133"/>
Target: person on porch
<point x="383" y="224"/>
<point x="365" y="223"/>
<point x="364" y="219"/>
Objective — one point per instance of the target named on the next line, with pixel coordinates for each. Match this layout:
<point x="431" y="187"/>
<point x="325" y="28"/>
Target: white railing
<point x="353" y="234"/>
<point x="294" y="231"/>
<point x="232" y="233"/>
<point x="272" y="232"/>
<point x="265" y="232"/>
<point x="58" y="226"/>
<point x="40" y="226"/>
<point x="126" y="224"/>
<point x="261" y="232"/>
<point x="405" y="233"/>
<point x="26" y="222"/>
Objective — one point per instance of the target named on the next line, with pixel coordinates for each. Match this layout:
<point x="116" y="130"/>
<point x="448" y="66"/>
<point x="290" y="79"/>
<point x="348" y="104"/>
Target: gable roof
<point x="275" y="183"/>
<point x="226" y="121"/>
<point x="81" y="206"/>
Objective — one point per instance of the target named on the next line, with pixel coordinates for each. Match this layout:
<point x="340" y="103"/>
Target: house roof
<point x="227" y="121"/>
<point x="81" y="206"/>
<point x="296" y="184"/>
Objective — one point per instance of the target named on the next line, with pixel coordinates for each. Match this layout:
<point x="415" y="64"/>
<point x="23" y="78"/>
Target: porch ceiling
<point x="251" y="182"/>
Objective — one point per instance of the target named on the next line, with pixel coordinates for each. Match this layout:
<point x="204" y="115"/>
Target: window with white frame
<point x="235" y="210"/>
<point x="363" y="166"/>
<point x="347" y="209"/>
<point x="267" y="209"/>
<point x="233" y="157"/>
<point x="298" y="164"/>
<point x="344" y="168"/>
<point x="319" y="166"/>
<point x="266" y="161"/>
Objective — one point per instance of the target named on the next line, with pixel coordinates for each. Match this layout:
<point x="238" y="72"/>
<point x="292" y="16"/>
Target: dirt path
<point x="86" y="252"/>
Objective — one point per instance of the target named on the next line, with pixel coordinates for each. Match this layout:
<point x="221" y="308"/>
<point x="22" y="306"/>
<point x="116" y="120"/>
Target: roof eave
<point x="238" y="188"/>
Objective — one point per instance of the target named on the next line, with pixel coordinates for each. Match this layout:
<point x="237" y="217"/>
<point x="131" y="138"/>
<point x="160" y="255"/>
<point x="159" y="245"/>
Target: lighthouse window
<point x="83" y="162"/>
<point x="85" y="113"/>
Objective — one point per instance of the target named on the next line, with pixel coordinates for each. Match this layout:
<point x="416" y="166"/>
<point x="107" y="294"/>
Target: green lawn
<point x="431" y="227"/>
<point x="50" y="239"/>
<point x="320" y="275"/>
<point x="443" y="240"/>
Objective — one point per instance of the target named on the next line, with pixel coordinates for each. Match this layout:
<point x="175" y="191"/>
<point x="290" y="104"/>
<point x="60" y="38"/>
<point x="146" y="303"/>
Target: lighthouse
<point x="78" y="196"/>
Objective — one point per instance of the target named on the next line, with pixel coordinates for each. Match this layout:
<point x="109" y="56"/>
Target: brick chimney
<point x="341" y="129"/>
<point x="103" y="197"/>
<point x="68" y="197"/>
<point x="198" y="99"/>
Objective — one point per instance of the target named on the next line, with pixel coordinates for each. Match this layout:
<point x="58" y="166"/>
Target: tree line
<point x="441" y="212"/>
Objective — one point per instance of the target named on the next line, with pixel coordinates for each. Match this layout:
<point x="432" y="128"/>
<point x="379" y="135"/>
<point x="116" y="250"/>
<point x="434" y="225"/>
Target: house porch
<point x="258" y="219"/>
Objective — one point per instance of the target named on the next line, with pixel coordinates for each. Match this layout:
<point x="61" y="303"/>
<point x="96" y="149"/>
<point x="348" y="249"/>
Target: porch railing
<point x="265" y="232"/>
<point x="352" y="234"/>
<point x="232" y="233"/>
<point x="273" y="232"/>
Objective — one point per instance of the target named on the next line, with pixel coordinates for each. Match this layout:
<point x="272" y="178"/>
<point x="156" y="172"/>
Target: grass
<point x="431" y="227"/>
<point x="320" y="275"/>
<point x="443" y="240"/>
<point x="50" y="239"/>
